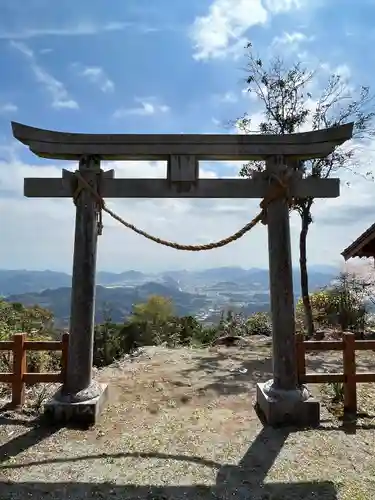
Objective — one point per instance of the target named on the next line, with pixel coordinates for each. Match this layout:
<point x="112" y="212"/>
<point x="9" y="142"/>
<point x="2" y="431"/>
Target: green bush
<point x="205" y="336"/>
<point x="109" y="344"/>
<point x="232" y="323"/>
<point x="259" y="324"/>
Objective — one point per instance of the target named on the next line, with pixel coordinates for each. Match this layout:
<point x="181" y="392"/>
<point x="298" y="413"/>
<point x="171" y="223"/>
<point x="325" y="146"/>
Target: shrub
<point x="259" y="324"/>
<point x="320" y="303"/>
<point x="232" y="324"/>
<point x="205" y="336"/>
<point x="108" y="343"/>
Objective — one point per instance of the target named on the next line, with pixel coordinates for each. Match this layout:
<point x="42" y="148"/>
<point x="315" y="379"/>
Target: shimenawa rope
<point x="276" y="191"/>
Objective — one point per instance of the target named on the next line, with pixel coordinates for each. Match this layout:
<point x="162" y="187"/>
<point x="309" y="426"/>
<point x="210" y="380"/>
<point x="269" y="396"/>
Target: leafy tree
<point x="157" y="309"/>
<point x="286" y="93"/>
<point x="153" y="320"/>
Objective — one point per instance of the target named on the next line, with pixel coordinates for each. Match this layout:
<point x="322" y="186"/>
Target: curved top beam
<point x="65" y="145"/>
<point x="27" y="134"/>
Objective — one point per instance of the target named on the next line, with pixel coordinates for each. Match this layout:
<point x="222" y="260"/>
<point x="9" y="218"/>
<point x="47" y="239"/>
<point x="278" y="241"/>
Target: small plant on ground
<point x="337" y="391"/>
<point x="40" y="395"/>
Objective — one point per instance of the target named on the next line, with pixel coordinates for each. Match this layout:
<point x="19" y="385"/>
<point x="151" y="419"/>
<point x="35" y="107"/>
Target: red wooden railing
<point x="20" y="376"/>
<point x="349" y="377"/>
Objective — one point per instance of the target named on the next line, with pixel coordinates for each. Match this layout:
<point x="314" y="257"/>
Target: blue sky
<point x="163" y="67"/>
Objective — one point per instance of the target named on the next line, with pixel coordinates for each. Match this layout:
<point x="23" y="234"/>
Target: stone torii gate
<point x="281" y="399"/>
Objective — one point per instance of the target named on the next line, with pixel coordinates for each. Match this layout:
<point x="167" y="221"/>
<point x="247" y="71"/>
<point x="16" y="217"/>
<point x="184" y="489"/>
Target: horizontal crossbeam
<point x="204" y="188"/>
<point x="71" y="146"/>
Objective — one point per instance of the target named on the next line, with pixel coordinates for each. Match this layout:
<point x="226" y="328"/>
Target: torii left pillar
<point x="81" y="399"/>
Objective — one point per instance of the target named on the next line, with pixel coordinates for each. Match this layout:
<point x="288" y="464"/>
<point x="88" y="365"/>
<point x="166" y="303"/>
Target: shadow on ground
<point x="246" y="373"/>
<point x="243" y="377"/>
<point x="38" y="432"/>
<point x="247" y="480"/>
<point x="302" y="491"/>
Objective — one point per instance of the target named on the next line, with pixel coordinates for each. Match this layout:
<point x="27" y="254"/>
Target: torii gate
<point x="281" y="399"/>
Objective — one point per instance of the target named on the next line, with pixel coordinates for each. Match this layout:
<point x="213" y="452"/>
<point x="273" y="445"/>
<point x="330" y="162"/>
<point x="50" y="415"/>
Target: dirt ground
<point x="180" y="424"/>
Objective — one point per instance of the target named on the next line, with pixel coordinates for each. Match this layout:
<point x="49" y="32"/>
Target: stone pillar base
<point x="284" y="408"/>
<point x="61" y="409"/>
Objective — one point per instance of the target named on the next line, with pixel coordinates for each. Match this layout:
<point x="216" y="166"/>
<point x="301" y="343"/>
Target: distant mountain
<point x="117" y="301"/>
<point x="324" y="269"/>
<point x="222" y="273"/>
<point x="248" y="277"/>
<point x="203" y="293"/>
<point x="112" y="279"/>
<point x="23" y="281"/>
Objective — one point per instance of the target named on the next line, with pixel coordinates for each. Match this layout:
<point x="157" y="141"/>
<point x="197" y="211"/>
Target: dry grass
<point x="180" y="424"/>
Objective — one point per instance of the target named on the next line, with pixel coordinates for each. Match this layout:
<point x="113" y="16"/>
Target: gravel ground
<point x="180" y="424"/>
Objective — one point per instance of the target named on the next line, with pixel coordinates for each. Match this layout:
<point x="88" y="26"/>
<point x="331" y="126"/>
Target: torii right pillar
<point x="282" y="400"/>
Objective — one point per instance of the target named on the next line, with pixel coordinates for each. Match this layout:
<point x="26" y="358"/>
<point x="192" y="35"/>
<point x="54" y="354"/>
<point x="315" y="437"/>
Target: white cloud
<point x="97" y="76"/>
<point x="278" y="6"/>
<point x="148" y="106"/>
<point x="292" y="41"/>
<point x="227" y="97"/>
<point x="56" y="89"/>
<point x="8" y="107"/>
<point x="23" y="48"/>
<point x="84" y="28"/>
<point x="342" y="70"/>
<point x="223" y="30"/>
<point x="226" y="22"/>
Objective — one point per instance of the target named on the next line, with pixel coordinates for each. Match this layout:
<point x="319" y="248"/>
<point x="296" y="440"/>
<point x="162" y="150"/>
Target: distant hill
<point x="204" y="293"/>
<point x="117" y="301"/>
<point x="129" y="277"/>
<point x="24" y="281"/>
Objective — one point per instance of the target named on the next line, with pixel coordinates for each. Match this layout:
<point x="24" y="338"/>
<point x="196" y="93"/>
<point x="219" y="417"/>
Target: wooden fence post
<point x="301" y="357"/>
<point x="350" y="385"/>
<point x="64" y="356"/>
<point x="19" y="369"/>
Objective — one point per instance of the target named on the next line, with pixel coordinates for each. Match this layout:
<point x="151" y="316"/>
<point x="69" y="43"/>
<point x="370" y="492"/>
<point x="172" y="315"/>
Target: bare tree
<point x="286" y="94"/>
